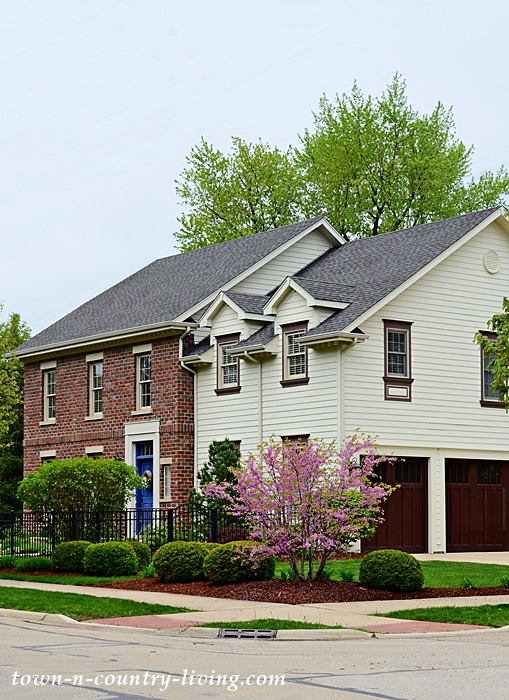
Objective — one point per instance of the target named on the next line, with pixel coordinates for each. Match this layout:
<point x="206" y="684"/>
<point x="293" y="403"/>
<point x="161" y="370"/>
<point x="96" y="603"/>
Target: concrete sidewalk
<point x="501" y="558"/>
<point x="356" y="615"/>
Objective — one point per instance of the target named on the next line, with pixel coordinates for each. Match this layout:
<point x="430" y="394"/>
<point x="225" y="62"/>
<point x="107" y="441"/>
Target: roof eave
<point x="113" y="338"/>
<point x="334" y="335"/>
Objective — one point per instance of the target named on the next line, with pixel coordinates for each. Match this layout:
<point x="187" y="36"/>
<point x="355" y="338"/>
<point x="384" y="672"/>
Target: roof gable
<point x="169" y="289"/>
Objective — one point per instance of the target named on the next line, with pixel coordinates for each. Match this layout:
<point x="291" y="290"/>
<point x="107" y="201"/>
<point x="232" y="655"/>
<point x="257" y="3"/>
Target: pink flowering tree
<point x="307" y="502"/>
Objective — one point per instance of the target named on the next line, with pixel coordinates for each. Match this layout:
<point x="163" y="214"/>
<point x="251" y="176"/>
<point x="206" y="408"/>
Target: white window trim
<point x="221" y="383"/>
<point x="139" y="408"/>
<point x="143" y="431"/>
<point x="92" y="390"/>
<point x="94" y="450"/>
<point x="47" y="453"/>
<point x="287" y="377"/>
<point x="47" y="419"/>
<point x="406" y="333"/>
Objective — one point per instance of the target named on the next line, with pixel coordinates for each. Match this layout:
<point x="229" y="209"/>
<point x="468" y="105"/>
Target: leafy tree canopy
<point x="253" y="188"/>
<point x="370" y="164"/>
<point x="79" y="484"/>
<point x="498" y="350"/>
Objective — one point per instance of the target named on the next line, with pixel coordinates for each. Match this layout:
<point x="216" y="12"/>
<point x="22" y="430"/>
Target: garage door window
<point x="408" y="472"/>
<point x="456" y="473"/>
<point x="489" y="474"/>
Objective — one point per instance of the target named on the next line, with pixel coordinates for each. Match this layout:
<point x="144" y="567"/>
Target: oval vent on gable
<point x="491" y="261"/>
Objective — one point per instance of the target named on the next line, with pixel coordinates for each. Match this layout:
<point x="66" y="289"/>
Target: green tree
<point x="253" y="188"/>
<point x="82" y="483"/>
<point x="13" y="333"/>
<point x="498" y="350"/>
<point x="224" y="456"/>
<point x="374" y="165"/>
<point x="370" y="164"/>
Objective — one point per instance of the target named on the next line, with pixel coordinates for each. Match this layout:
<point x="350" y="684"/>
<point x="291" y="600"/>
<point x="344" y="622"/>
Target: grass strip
<point x="437" y="574"/>
<point x="269" y="623"/>
<point x="489" y="615"/>
<point x="79" y="606"/>
<point x="77" y="580"/>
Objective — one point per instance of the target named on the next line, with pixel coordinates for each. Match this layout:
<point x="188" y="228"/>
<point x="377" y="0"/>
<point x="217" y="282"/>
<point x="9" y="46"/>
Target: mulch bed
<point x="295" y="592"/>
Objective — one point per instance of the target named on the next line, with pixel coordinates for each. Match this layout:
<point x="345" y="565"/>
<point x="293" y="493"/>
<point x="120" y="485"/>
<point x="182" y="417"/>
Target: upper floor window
<point x="144" y="381"/>
<point x="228" y="369"/>
<point x="398" y="361"/>
<point x="96" y="388"/>
<point x="50" y="395"/>
<point x="295" y="355"/>
<point x="489" y="397"/>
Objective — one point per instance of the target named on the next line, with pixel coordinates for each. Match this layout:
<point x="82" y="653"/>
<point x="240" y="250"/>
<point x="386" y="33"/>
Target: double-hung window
<point x="96" y="389"/>
<point x="144" y="381"/>
<point x="50" y="395"/>
<point x="228" y="369"/>
<point x="398" y="361"/>
<point x="295" y="355"/>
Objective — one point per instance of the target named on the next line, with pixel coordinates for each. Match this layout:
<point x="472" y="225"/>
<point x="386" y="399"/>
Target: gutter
<point x="350" y="337"/>
<point x="125" y="334"/>
<point x="182" y="363"/>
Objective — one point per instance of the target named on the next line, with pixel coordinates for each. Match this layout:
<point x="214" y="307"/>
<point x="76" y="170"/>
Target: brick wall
<point x="171" y="402"/>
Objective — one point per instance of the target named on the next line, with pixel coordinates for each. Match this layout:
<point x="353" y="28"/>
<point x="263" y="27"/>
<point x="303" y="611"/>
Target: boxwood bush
<point x="7" y="562"/>
<point x="231" y="563"/>
<point x="181" y="562"/>
<point x="68" y="556"/>
<point x="33" y="564"/>
<point x="142" y="552"/>
<point x="110" y="559"/>
<point x="391" y="570"/>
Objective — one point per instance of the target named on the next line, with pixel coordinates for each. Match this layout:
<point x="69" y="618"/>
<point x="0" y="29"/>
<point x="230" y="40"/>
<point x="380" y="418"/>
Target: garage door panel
<point x="405" y="511"/>
<point x="476" y="505"/>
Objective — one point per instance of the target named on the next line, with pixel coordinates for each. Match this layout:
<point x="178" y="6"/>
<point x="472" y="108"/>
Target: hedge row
<point x="103" y="559"/>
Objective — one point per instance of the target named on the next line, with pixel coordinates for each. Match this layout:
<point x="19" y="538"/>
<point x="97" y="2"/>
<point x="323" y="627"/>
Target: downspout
<point x="195" y="403"/>
<point x="260" y="396"/>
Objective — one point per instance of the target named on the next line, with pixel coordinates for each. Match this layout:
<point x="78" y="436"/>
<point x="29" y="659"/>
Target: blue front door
<point x="145" y="495"/>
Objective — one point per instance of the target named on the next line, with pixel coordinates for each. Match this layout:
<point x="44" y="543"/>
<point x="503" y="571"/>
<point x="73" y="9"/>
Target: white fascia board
<point x="349" y="337"/>
<point x="223" y="299"/>
<point x="335" y="238"/>
<point x="323" y="303"/>
<point x="498" y="214"/>
<point x="283" y="289"/>
<point x="114" y="337"/>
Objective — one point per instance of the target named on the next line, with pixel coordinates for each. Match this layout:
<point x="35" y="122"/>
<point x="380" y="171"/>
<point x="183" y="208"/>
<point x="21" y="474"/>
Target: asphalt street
<point x="94" y="663"/>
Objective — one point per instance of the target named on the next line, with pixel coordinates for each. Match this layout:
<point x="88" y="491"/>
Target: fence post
<point x="170" y="524"/>
<point x="213" y="533"/>
<point x="13" y="520"/>
<point x="74" y="525"/>
<point x="53" y="533"/>
<point x="97" y="526"/>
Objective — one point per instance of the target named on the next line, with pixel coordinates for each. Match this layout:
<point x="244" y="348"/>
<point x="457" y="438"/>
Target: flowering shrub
<point x="309" y="502"/>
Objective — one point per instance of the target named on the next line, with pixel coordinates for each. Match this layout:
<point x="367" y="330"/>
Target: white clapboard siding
<point x="446" y="307"/>
<point x="286" y="263"/>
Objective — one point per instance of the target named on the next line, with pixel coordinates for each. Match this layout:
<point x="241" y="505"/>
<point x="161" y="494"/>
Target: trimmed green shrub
<point x="505" y="582"/>
<point x="7" y="562"/>
<point x="181" y="562"/>
<point x="391" y="570"/>
<point x="110" y="559"/>
<point x="33" y="564"/>
<point x="142" y="551"/>
<point x="68" y="556"/>
<point x="230" y="563"/>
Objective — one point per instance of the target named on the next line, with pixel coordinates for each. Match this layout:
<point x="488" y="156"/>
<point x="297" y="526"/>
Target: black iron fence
<point x="27" y="534"/>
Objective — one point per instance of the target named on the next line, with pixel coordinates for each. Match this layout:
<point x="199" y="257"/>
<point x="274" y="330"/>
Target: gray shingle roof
<point x="378" y="265"/>
<point x="165" y="289"/>
<point x="260" y="337"/>
<point x="326" y="290"/>
<point x="199" y="348"/>
<point x="251" y="303"/>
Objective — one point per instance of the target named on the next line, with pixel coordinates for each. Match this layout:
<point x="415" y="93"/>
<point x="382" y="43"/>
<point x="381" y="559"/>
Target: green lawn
<point x="270" y="624"/>
<point x="437" y="574"/>
<point x="77" y="580"/>
<point x="78" y="606"/>
<point x="490" y="615"/>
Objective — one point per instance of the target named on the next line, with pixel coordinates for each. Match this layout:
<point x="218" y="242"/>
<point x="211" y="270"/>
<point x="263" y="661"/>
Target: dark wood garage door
<point x="405" y="525"/>
<point x="477" y="499"/>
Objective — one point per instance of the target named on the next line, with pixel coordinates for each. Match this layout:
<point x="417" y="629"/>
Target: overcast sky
<point x="101" y="101"/>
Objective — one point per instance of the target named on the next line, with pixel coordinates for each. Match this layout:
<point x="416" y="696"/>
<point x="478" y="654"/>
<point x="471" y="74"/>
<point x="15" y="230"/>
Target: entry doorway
<point x="145" y="494"/>
<point x="405" y="525"/>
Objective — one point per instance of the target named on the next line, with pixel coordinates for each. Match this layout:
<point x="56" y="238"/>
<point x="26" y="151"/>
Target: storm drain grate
<point x="248" y="634"/>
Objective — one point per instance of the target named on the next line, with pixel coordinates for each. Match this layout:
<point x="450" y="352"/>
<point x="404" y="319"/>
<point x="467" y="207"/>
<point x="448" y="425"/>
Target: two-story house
<point x="107" y="379"/>
<point x="376" y="335"/>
